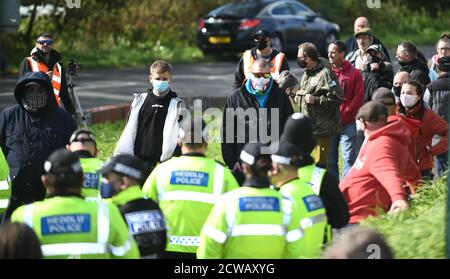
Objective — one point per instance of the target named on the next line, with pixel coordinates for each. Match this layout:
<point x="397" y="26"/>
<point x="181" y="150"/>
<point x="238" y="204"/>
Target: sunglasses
<point x="259" y="75"/>
<point x="43" y="42"/>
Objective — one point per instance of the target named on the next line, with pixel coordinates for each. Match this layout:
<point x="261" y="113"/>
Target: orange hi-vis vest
<point x="275" y="65"/>
<point x="36" y="66"/>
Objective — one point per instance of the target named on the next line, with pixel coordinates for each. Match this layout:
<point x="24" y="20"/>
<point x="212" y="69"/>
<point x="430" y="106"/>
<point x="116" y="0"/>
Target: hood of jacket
<point x="39" y="77"/>
<point x="396" y="129"/>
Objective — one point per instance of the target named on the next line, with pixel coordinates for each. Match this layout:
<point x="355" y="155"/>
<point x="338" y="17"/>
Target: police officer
<point x="125" y="176"/>
<point x="83" y="144"/>
<point x="5" y="185"/>
<point x="263" y="50"/>
<point x="186" y="189"/>
<point x="253" y="221"/>
<point x="284" y="175"/>
<point x="298" y="130"/>
<point x="66" y="224"/>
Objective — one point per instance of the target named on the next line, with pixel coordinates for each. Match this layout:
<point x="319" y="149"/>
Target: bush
<point x="418" y="233"/>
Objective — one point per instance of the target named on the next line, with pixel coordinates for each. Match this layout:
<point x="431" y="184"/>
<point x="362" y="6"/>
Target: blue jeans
<point x="346" y="139"/>
<point x="441" y="163"/>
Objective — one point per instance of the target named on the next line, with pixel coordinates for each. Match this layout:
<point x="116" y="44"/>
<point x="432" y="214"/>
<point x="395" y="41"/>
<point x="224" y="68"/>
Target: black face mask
<point x="34" y="102"/>
<point x="373" y="59"/>
<point x="397" y="90"/>
<point x="301" y="63"/>
<point x="261" y="44"/>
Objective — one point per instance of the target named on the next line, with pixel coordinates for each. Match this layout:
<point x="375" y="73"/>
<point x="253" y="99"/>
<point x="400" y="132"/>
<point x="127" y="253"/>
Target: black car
<point x="230" y="28"/>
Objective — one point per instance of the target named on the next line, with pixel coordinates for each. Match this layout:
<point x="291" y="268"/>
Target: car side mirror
<point x="311" y="17"/>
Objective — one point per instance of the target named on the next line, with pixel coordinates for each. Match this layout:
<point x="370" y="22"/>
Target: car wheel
<point x="330" y="38"/>
<point x="277" y="43"/>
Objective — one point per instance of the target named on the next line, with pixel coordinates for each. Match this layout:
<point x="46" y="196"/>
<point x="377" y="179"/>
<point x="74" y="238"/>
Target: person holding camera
<point x="43" y="58"/>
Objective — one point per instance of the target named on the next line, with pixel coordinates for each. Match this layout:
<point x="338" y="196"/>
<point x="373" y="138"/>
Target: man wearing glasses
<point x="246" y="111"/>
<point x="44" y="58"/>
<point x="263" y="50"/>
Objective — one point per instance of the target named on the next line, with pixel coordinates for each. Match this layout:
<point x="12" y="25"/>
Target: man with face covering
<point x="263" y="50"/>
<point x="29" y="132"/>
<point x="262" y="102"/>
<point x="43" y="58"/>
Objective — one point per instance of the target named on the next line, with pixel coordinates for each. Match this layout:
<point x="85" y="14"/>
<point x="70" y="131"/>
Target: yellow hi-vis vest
<point x="275" y="65"/>
<point x="37" y="66"/>
<point x="313" y="176"/>
<point x="71" y="227"/>
<point x="5" y="183"/>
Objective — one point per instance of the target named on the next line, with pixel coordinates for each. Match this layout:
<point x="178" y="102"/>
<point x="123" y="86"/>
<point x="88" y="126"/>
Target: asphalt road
<point x="108" y="87"/>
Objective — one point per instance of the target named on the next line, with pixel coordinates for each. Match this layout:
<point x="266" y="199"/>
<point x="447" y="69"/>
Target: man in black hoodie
<point x="29" y="132"/>
<point x="413" y="62"/>
<point x="45" y="59"/>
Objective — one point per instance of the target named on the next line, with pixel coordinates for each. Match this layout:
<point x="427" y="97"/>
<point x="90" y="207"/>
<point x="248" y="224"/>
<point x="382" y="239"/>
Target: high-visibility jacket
<point x="313" y="176"/>
<point x="252" y="223"/>
<point x="313" y="216"/>
<point x="92" y="177"/>
<point x="5" y="183"/>
<point x="186" y="188"/>
<point x="39" y="66"/>
<point x="71" y="227"/>
<point x="248" y="60"/>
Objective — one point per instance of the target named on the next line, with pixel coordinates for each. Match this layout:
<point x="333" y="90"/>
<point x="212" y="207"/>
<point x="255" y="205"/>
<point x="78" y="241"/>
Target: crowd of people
<point x="160" y="196"/>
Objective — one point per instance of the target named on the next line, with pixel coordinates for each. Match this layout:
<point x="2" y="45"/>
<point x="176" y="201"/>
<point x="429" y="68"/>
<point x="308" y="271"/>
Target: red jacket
<point x="378" y="174"/>
<point x="430" y="124"/>
<point x="352" y="85"/>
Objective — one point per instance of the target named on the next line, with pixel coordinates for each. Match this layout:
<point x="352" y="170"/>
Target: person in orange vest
<point x="43" y="58"/>
<point x="263" y="50"/>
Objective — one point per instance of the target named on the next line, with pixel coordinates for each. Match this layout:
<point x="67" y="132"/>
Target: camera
<point x="73" y="67"/>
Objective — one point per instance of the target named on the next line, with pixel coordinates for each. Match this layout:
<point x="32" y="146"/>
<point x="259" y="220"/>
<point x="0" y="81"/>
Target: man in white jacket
<point x="153" y="123"/>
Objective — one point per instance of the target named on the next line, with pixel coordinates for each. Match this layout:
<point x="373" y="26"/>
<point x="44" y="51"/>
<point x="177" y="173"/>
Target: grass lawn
<point x="417" y="233"/>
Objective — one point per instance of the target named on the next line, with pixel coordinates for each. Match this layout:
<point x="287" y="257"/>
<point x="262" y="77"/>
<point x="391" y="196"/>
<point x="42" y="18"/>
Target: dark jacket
<point x="335" y="205"/>
<point x="376" y="79"/>
<point x="145" y="221"/>
<point x="438" y="95"/>
<point x="352" y="45"/>
<point x="239" y="76"/>
<point x="242" y="99"/>
<point x="53" y="59"/>
<point x="28" y="140"/>
<point x="418" y="70"/>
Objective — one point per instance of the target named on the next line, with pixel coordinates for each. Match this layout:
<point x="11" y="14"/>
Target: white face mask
<point x="408" y="101"/>
<point x="260" y="84"/>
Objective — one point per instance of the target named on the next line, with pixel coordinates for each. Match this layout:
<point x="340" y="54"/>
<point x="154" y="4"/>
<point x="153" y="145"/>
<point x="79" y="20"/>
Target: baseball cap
<point x="262" y="34"/>
<point x="252" y="153"/>
<point x="364" y="31"/>
<point x="375" y="47"/>
<point x="125" y="165"/>
<point x="286" y="151"/>
<point x="89" y="133"/>
<point x="62" y="161"/>
<point x="383" y="95"/>
<point x="372" y="112"/>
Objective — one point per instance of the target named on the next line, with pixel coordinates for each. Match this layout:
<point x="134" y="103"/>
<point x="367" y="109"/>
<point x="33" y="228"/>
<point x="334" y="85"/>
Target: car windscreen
<point x="237" y="10"/>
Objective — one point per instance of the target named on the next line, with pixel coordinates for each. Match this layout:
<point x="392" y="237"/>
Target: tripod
<point x="80" y="116"/>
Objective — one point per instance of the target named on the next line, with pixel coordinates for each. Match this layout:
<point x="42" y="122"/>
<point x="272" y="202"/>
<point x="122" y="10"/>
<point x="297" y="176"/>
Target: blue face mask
<point x="160" y="85"/>
<point x="107" y="190"/>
